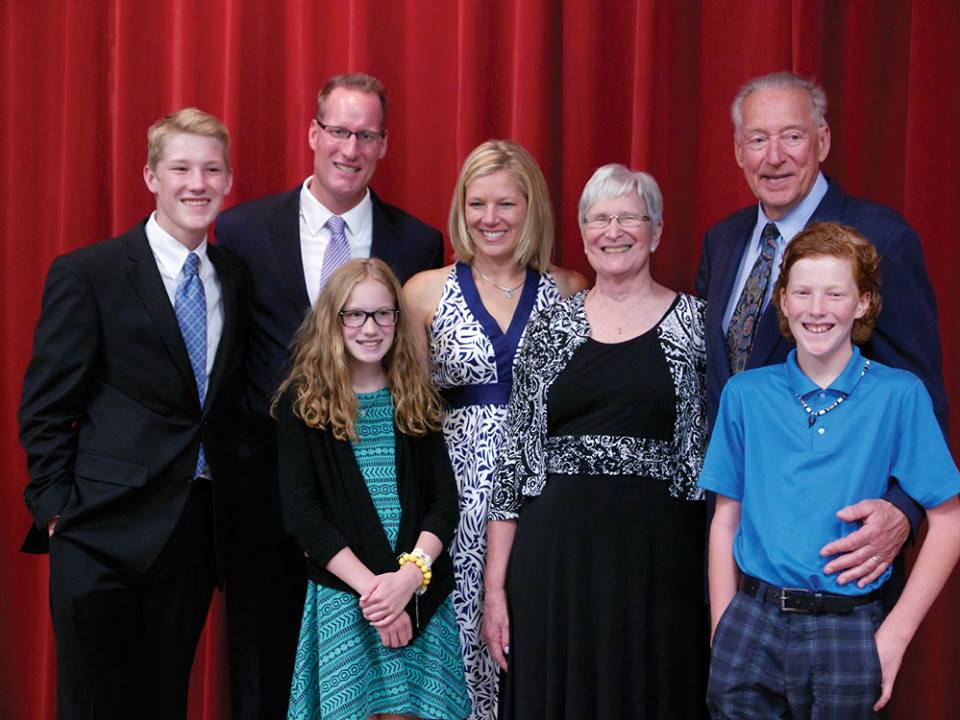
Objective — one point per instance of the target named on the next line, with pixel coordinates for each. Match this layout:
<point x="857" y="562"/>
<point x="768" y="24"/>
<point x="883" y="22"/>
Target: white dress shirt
<point x="170" y="256"/>
<point x="315" y="236"/>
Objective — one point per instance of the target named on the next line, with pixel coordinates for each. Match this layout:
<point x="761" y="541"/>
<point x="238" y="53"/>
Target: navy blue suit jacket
<point x="265" y="235"/>
<point x="907" y="333"/>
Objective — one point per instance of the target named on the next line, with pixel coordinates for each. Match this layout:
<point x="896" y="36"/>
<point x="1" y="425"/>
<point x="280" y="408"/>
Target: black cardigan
<point x="327" y="507"/>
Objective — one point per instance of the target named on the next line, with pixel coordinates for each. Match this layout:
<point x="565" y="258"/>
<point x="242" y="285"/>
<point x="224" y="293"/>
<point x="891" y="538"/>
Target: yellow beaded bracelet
<point x="422" y="561"/>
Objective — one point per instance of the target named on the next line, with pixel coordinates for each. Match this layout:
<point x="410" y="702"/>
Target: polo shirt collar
<point x="844" y="383"/>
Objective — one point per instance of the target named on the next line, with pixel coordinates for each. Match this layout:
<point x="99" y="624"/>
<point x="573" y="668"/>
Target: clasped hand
<point x="384" y="599"/>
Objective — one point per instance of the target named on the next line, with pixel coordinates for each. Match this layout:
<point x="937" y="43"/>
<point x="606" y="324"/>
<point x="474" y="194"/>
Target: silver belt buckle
<point x="784" y="598"/>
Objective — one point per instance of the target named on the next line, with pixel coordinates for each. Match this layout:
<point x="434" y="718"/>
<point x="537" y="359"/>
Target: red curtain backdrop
<point x="580" y="83"/>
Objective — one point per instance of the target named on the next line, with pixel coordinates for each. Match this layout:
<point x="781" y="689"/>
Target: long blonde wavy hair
<point x="320" y="378"/>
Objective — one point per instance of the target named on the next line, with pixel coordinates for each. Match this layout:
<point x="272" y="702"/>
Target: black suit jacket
<point x="907" y="333"/>
<point x="265" y="235"/>
<point x="110" y="416"/>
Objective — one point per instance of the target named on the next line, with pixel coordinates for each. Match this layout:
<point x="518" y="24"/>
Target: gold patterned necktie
<point x="746" y="315"/>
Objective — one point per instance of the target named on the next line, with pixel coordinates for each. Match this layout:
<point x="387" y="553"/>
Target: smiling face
<point x="190" y="182"/>
<point x="616" y="251"/>
<point x="342" y="169"/>
<point x="495" y="213"/>
<point x="367" y="345"/>
<point x="780" y="147"/>
<point x="821" y="302"/>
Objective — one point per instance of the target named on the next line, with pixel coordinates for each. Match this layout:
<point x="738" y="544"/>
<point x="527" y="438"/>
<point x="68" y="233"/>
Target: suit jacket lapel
<point x="830" y="207"/>
<point x="726" y="278"/>
<point x="385" y="245"/>
<point x="284" y="228"/>
<point x="228" y="337"/>
<point x="143" y="272"/>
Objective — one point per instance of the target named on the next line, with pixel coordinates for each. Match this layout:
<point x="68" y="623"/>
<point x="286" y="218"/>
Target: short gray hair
<point x="613" y="180"/>
<point x="780" y="81"/>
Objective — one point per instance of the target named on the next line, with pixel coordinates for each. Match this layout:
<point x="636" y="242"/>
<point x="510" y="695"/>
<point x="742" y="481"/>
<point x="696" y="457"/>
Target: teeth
<point x="493" y="234"/>
<point x="818" y="329"/>
<point x="346" y="168"/>
<point x="617" y="249"/>
<point x="202" y="201"/>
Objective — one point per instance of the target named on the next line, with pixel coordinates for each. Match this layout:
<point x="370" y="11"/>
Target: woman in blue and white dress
<point x="475" y="313"/>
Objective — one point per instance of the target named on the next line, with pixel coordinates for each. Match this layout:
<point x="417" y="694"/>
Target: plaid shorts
<point x="770" y="664"/>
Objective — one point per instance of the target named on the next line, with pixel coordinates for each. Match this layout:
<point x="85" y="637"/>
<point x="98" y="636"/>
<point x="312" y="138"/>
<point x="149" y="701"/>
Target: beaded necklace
<point x="812" y="414"/>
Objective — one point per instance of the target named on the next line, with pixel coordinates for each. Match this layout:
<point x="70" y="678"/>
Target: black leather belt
<point x="795" y="600"/>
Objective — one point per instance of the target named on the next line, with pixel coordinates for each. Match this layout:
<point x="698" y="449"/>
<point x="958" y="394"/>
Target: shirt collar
<point x="170" y="254"/>
<point x="844" y="383"/>
<point x="358" y="218"/>
<point x="798" y="217"/>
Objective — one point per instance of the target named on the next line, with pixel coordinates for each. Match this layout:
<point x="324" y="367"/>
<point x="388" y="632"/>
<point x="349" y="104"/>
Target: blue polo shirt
<point x="792" y="476"/>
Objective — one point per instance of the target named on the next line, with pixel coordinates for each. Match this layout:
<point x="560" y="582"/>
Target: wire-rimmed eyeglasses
<point x="625" y="220"/>
<point x="342" y="134"/>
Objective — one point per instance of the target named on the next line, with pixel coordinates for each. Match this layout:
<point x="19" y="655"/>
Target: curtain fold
<point x="580" y="83"/>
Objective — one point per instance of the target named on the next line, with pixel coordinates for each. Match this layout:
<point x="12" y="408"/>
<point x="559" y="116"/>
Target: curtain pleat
<point x="580" y="83"/>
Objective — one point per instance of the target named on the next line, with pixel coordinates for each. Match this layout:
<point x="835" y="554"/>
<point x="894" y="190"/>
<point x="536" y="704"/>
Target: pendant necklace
<point x="508" y="291"/>
<point x="812" y="414"/>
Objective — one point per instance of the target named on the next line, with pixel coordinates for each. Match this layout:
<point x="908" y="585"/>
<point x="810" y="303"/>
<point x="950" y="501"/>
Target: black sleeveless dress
<point x="606" y="575"/>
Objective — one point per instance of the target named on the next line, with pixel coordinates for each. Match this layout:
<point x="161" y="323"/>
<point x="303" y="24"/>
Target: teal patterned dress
<point x="342" y="670"/>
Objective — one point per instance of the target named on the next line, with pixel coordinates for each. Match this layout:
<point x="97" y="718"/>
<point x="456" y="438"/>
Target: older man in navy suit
<point x="780" y="138"/>
<point x="291" y="242"/>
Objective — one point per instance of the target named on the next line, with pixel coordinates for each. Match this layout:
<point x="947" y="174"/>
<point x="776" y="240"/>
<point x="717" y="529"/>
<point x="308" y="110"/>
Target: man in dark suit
<point x="126" y="420"/>
<point x="780" y="138"/>
<point x="290" y="243"/>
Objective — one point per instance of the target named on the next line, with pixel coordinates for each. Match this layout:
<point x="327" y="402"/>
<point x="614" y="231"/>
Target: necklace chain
<point x="508" y="291"/>
<point x="812" y="414"/>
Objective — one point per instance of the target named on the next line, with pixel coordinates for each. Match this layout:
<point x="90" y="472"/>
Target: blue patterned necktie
<point x="746" y="315"/>
<point x="338" y="249"/>
<point x="191" y="309"/>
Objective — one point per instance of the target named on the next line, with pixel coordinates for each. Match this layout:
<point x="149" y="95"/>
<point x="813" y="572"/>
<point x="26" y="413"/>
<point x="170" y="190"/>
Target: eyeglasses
<point x="364" y="137"/>
<point x="384" y="317"/>
<point x="625" y="220"/>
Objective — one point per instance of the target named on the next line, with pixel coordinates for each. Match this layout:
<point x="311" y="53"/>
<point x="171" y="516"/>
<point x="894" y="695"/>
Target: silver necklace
<point x="508" y="291"/>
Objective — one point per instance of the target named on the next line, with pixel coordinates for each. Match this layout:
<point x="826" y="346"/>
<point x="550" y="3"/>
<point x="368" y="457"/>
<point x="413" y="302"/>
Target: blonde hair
<point x="536" y="237"/>
<point x="320" y="378"/>
<point x="187" y="120"/>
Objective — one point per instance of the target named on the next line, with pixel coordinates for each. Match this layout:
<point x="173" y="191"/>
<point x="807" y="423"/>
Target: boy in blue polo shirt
<point x="823" y="430"/>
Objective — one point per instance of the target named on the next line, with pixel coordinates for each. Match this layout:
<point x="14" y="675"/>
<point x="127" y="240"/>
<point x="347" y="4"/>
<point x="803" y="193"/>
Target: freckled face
<point x="821" y="302"/>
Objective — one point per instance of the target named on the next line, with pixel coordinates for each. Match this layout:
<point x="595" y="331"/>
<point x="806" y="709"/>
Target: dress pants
<point x="125" y="644"/>
<point x="266" y="584"/>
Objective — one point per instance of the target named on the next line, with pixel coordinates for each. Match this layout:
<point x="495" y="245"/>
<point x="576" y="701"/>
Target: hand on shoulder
<point x="569" y="282"/>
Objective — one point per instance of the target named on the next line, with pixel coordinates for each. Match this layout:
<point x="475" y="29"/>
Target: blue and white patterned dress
<point x="472" y="364"/>
<point x="342" y="670"/>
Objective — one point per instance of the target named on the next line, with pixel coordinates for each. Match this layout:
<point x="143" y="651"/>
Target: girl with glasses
<point x="367" y="490"/>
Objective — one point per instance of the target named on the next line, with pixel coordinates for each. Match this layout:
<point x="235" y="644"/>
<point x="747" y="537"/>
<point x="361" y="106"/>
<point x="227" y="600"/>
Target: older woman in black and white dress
<point x="595" y="502"/>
